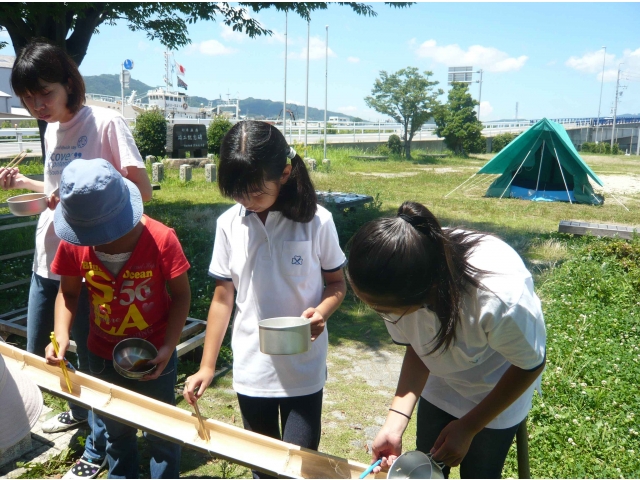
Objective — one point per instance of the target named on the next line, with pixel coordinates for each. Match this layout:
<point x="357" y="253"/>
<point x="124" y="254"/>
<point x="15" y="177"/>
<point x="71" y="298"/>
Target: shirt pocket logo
<point x="295" y="258"/>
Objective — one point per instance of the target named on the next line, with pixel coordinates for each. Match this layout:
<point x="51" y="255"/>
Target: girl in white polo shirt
<point x="463" y="304"/>
<point x="279" y="250"/>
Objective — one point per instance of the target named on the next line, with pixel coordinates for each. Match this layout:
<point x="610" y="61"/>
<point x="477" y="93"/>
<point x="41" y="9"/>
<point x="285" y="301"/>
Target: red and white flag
<point x="180" y="70"/>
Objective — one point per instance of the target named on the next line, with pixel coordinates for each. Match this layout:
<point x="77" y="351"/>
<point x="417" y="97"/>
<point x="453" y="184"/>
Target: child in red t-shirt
<point x="127" y="260"/>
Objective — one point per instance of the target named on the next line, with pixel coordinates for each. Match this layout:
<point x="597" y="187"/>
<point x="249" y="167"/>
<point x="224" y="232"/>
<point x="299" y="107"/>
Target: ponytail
<point x="297" y="200"/>
<point x="401" y="260"/>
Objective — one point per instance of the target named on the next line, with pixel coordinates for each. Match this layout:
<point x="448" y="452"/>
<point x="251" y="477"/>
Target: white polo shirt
<point x="276" y="269"/>
<point x="499" y="328"/>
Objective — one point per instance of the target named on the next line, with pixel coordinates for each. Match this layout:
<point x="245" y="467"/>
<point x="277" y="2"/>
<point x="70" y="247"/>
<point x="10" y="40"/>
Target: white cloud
<point x="485" y="110"/>
<point x="349" y="110"/>
<point x="317" y="50"/>
<point x="211" y="48"/>
<point x="591" y="62"/>
<point x="353" y="59"/>
<point x="143" y="46"/>
<point x="487" y="58"/>
<point x="277" y="37"/>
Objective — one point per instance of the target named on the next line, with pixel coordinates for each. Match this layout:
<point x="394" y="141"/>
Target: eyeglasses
<point x="387" y="318"/>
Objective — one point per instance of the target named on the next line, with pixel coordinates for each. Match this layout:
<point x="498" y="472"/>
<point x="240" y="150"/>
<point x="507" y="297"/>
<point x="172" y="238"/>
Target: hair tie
<point x="292" y="153"/>
<point x="409" y="219"/>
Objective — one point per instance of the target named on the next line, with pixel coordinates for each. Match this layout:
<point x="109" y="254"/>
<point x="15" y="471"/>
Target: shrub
<point x="502" y="140"/>
<point x="615" y="150"/>
<point x="150" y="133"/>
<point x="607" y="147"/>
<point x="218" y="128"/>
<point x="588" y="147"/>
<point x="395" y="144"/>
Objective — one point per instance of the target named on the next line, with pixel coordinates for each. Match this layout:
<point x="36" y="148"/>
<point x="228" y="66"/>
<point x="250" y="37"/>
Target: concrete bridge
<point x="368" y="135"/>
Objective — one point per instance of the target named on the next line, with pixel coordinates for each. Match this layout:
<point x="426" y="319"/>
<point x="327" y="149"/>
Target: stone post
<point x="210" y="173"/>
<point x="311" y="164"/>
<point x="150" y="160"/>
<point x="157" y="172"/>
<point x="185" y="173"/>
<point x="327" y="163"/>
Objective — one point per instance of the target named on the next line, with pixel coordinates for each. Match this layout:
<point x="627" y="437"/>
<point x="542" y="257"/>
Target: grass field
<point x="585" y="423"/>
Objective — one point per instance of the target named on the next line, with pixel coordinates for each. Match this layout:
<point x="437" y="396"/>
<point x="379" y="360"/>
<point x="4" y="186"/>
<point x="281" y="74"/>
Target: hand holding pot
<point x="317" y="321"/>
<point x="453" y="443"/>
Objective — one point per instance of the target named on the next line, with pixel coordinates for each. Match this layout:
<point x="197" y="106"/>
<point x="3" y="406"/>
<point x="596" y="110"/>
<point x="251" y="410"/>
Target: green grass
<point x="589" y="288"/>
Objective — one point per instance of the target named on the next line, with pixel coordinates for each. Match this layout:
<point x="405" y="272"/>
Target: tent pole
<point x="540" y="169"/>
<point x="460" y="185"/>
<point x="518" y="171"/>
<point x="561" y="172"/>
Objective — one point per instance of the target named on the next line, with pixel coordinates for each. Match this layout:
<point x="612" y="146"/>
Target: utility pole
<point x="306" y="104"/>
<point x="604" y="58"/>
<point x="326" y="83"/>
<point x="480" y="94"/>
<point x="516" y="111"/>
<point x="284" y="106"/>
<point x="615" y="107"/>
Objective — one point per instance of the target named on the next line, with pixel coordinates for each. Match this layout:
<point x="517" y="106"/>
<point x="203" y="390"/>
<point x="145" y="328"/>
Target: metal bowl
<point x="27" y="204"/>
<point x="285" y="335"/>
<point x="129" y="357"/>
<point x="415" y="465"/>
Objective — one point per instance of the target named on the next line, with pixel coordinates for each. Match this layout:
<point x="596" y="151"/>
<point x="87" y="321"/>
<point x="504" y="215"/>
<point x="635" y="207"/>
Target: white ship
<point x="174" y="104"/>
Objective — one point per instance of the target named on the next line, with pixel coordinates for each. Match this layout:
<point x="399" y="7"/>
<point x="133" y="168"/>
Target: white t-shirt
<point x="93" y="132"/>
<point x="499" y="327"/>
<point x="276" y="269"/>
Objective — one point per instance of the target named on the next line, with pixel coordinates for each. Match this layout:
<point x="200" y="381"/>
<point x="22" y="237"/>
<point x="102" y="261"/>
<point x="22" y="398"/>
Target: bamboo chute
<point x="228" y="442"/>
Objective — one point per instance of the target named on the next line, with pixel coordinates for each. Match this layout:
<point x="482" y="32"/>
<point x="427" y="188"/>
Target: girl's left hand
<point x="317" y="321"/>
<point x="452" y="444"/>
<point x="161" y="360"/>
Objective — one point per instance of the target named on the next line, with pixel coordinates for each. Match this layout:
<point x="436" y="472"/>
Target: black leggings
<point x="488" y="449"/>
<point x="299" y="419"/>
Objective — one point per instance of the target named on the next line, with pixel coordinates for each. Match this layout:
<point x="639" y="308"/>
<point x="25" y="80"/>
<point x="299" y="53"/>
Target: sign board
<point x="186" y="138"/>
<point x="460" y="74"/>
<point x="124" y="79"/>
<point x="128" y="64"/>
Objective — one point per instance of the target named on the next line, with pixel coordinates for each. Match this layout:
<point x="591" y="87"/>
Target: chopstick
<point x="20" y="157"/>
<point x="370" y="468"/>
<point x="56" y="349"/>
<point x="201" y="421"/>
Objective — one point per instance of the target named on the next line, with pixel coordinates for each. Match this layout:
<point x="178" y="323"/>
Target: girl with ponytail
<point x="463" y="304"/>
<point x="279" y="251"/>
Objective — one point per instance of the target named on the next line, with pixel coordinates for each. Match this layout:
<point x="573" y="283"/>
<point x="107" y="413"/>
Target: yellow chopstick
<point x="21" y="156"/>
<point x="56" y="349"/>
<point x="201" y="421"/>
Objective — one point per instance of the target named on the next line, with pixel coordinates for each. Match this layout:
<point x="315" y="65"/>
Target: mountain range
<point x="253" y="107"/>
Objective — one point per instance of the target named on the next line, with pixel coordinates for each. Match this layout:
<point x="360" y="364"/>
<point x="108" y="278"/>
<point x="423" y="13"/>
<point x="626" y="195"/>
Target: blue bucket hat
<point x="97" y="204"/>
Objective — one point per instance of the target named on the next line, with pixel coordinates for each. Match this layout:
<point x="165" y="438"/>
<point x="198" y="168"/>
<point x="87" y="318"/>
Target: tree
<point x="502" y="140"/>
<point x="216" y="131"/>
<point x="71" y="25"/>
<point x="457" y="122"/>
<point x="408" y="97"/>
<point x="150" y="133"/>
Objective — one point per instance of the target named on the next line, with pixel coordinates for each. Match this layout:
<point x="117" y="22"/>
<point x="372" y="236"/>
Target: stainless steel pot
<point x="415" y="465"/>
<point x="27" y="204"/>
<point x="130" y="357"/>
<point x="285" y="335"/>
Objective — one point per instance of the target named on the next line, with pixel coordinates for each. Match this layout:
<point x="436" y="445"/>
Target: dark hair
<point x="42" y="60"/>
<point x="399" y="260"/>
<point x="253" y="153"/>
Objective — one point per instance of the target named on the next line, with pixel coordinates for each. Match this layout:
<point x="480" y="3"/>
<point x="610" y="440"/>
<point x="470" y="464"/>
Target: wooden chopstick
<point x="21" y="156"/>
<point x="201" y="421"/>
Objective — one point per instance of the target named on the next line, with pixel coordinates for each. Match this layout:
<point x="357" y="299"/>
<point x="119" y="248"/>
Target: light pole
<point x="306" y="104"/>
<point x="326" y="83"/>
<point x="284" y="106"/>
<point x="604" y="58"/>
<point x="615" y="107"/>
<point x="480" y="94"/>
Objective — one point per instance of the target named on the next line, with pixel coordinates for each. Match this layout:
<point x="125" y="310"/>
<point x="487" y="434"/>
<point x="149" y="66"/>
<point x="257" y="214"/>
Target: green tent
<point x="541" y="164"/>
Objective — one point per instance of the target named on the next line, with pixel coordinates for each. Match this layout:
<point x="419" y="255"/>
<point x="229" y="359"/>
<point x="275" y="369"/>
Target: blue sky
<point x="545" y="56"/>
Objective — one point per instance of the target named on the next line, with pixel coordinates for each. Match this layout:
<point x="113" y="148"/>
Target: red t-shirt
<point x="136" y="302"/>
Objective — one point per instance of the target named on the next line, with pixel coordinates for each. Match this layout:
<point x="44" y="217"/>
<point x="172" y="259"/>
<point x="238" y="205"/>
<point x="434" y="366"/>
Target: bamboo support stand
<point x="180" y="426"/>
